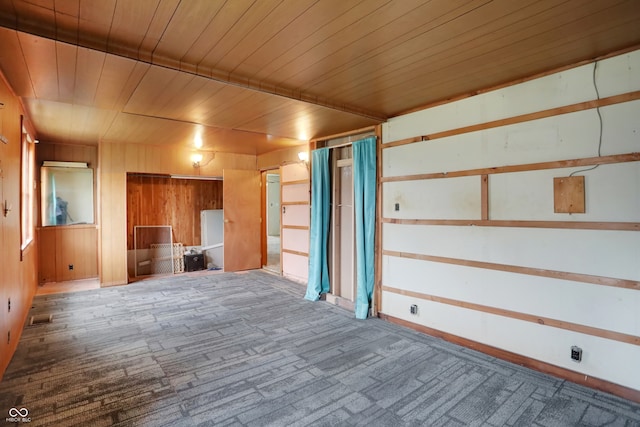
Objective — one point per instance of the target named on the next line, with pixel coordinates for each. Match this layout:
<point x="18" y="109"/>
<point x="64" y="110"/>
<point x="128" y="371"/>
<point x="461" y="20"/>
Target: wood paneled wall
<point x="115" y="161"/>
<point x="162" y="200"/>
<point x="275" y="159"/>
<point x="67" y="253"/>
<point x="18" y="275"/>
<point x="75" y="245"/>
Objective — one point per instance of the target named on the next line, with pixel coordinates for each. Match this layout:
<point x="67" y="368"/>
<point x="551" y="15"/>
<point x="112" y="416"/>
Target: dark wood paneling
<point x="162" y="200"/>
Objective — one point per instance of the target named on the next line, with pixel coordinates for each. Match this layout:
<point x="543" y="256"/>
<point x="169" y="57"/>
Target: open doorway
<point x="271" y="221"/>
<point x="342" y="231"/>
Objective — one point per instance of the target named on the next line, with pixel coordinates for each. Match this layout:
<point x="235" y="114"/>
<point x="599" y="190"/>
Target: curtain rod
<point x="344" y="144"/>
<point x="343" y="134"/>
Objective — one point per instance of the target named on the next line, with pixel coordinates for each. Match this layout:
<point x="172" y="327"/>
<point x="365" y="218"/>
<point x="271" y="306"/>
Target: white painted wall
<point x="612" y="195"/>
<point x="294" y="265"/>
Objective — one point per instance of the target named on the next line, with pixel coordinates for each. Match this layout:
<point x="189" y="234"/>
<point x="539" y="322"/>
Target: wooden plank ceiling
<point x="254" y="76"/>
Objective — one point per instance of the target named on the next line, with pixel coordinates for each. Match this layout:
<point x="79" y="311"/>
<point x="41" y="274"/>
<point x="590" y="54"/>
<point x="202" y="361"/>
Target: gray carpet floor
<point x="247" y="350"/>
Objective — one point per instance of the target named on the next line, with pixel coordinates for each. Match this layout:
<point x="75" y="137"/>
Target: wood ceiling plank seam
<point x="114" y="75"/>
<point x="275" y="117"/>
<point x="413" y="63"/>
<point x="35" y="54"/>
<point x="140" y="69"/>
<point x="361" y="28"/>
<point x="90" y="67"/>
<point x="269" y="30"/>
<point x="470" y="43"/>
<point x="177" y="104"/>
<point x="165" y="10"/>
<point x="170" y="92"/>
<point x="562" y="60"/>
<point x="314" y="18"/>
<point x="216" y="94"/>
<point x="283" y="92"/>
<point x="94" y="23"/>
<point x="218" y="26"/>
<point x="128" y="19"/>
<point x="535" y="51"/>
<point x="14" y="56"/>
<point x="236" y="33"/>
<point x="68" y="7"/>
<point x="374" y="56"/>
<point x="572" y="50"/>
<point x="405" y="78"/>
<point x="188" y="21"/>
<point x="146" y="95"/>
<point x="32" y="17"/>
<point x="317" y="37"/>
<point x="67" y="26"/>
<point x="9" y="17"/>
<point x="162" y="33"/>
<point x="66" y="68"/>
<point x="198" y="104"/>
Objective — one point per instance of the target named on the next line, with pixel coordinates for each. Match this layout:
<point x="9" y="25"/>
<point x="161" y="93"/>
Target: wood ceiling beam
<point x="48" y="32"/>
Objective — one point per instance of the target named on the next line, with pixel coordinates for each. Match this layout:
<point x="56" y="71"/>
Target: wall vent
<point x="40" y="319"/>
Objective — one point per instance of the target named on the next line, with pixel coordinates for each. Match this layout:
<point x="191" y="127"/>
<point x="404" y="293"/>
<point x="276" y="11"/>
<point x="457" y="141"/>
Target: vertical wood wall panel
<point x="158" y="200"/>
<point x="78" y="244"/>
<point x="18" y="276"/>
<point x="116" y="160"/>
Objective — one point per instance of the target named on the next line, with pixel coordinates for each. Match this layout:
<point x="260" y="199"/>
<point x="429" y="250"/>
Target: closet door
<point x="241" y="204"/>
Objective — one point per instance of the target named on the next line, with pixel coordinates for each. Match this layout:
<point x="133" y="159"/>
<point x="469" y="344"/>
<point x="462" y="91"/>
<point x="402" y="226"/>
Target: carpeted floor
<point x="246" y="349"/>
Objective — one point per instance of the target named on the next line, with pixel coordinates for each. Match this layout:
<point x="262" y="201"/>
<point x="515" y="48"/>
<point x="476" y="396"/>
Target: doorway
<point x="272" y="219"/>
<point x="342" y="237"/>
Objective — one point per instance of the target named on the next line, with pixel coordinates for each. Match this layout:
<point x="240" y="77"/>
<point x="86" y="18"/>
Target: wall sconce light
<point x="304" y="158"/>
<point x="196" y="158"/>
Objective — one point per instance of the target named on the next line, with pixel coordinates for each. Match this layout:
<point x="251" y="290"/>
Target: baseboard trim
<point x="518" y="359"/>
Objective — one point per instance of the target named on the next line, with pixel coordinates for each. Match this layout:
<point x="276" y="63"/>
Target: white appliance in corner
<point x="212" y="235"/>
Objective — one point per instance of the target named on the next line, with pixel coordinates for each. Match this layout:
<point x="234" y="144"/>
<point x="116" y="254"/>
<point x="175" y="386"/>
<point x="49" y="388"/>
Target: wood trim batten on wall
<point x="518" y="359"/>
<point x="556" y="164"/>
<point x="517" y="200"/>
<point x="541" y="320"/>
<point x="573" y="225"/>
<point x="562" y="275"/>
<point x="291" y="251"/>
<point x="586" y="105"/>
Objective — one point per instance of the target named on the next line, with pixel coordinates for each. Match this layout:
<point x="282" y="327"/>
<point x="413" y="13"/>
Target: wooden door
<point x="241" y="205"/>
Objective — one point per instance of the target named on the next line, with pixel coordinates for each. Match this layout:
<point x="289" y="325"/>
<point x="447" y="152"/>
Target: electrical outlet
<point x="576" y="353"/>
<point x="9" y="305"/>
<point x="414" y="309"/>
<point x="70" y="266"/>
<point x="397" y="207"/>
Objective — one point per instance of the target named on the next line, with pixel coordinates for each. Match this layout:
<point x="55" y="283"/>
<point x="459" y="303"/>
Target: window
<point x="27" y="184"/>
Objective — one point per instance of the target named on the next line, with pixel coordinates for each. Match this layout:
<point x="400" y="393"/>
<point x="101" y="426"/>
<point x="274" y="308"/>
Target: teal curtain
<point x="319" y="234"/>
<point x="364" y="188"/>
